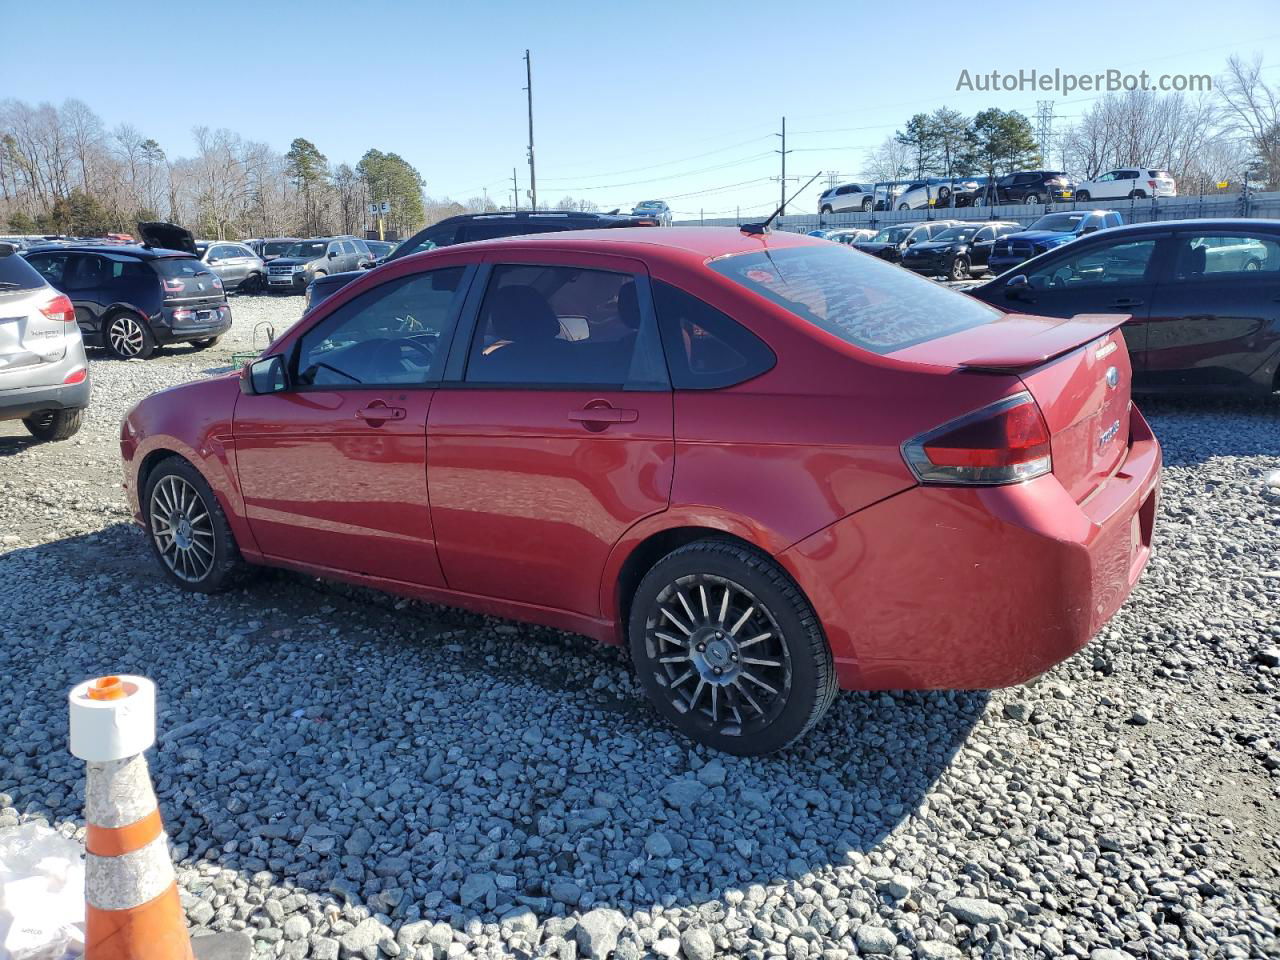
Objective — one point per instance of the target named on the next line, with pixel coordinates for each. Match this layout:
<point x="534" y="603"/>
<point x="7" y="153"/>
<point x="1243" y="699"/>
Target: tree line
<point x="63" y="171"/>
<point x="1201" y="140"/>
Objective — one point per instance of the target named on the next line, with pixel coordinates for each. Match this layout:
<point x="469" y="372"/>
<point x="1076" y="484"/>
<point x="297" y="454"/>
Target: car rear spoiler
<point x="1021" y="341"/>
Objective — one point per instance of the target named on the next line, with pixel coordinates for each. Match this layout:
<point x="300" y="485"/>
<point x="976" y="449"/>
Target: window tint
<point x="391" y="335"/>
<point x="1226" y="254"/>
<point x="1110" y="263"/>
<point x="983" y="235"/>
<point x="128" y="268"/>
<point x="563" y="326"/>
<point x="705" y="348"/>
<point x="179" y="267"/>
<point x="862" y="300"/>
<point x="51" y="266"/>
<point x="88" y="272"/>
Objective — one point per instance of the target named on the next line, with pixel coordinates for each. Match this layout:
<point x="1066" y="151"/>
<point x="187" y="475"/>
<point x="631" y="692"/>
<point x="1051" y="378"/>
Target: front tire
<point x="825" y="209"/>
<point x="904" y="206"/>
<point x="867" y="205"/>
<point x="128" y="336"/>
<point x="1032" y="199"/>
<point x="188" y="531"/>
<point x="1082" y="196"/>
<point x="729" y="650"/>
<point x="1137" y="195"/>
<point x="48" y="425"/>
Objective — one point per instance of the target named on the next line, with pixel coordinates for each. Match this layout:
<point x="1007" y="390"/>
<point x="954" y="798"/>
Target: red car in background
<point x="773" y="466"/>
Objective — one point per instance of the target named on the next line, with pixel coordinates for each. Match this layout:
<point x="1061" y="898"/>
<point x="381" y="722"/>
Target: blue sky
<point x="632" y="100"/>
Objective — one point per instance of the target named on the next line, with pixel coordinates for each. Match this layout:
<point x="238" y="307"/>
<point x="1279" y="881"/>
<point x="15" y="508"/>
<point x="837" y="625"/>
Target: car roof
<point x="1219" y="223"/>
<point x="688" y="244"/>
<point x="536" y="215"/>
<point x="130" y="249"/>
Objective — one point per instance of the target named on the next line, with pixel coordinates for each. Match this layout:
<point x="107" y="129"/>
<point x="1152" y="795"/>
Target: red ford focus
<point x="773" y="466"/>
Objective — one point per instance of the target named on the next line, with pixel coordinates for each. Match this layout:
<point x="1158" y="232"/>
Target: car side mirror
<point x="264" y="376"/>
<point x="911" y="242"/>
<point x="1088" y="229"/>
<point x="1017" y="287"/>
<point x="367" y="264"/>
<point x="333" y="254"/>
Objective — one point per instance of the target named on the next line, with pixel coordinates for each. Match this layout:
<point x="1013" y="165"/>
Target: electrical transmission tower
<point x="1044" y="128"/>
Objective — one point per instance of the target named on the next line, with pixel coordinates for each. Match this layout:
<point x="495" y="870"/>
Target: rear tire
<point x="1032" y="199"/>
<point x="960" y="268"/>
<point x="1137" y="195"/>
<point x="867" y="205"/>
<point x="904" y="206"/>
<point x="1082" y="196"/>
<point x="747" y="675"/>
<point x="188" y="532"/>
<point x="48" y="425"/>
<point x="825" y="209"/>
<point x="128" y="336"/>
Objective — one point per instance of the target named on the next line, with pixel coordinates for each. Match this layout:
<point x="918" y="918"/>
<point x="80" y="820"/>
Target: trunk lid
<point x="168" y="236"/>
<point x="1078" y="372"/>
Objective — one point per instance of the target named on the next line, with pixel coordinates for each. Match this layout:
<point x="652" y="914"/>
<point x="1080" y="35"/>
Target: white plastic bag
<point x="41" y="894"/>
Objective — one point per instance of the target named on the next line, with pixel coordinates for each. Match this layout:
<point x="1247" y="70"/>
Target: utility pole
<point x="515" y="190"/>
<point x="533" y="179"/>
<point x="833" y="177"/>
<point x="1044" y="128"/>
<point x="782" y="180"/>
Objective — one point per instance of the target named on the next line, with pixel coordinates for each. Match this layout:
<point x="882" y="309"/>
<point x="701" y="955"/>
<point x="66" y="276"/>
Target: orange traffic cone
<point x="132" y="911"/>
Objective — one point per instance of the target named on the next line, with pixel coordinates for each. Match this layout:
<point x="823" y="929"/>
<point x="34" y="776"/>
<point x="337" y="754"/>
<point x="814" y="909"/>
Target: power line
<point x="665" y="163"/>
<point x="670" y="176"/>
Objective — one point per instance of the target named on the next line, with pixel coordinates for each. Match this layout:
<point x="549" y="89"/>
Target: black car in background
<point x="1202" y="296"/>
<point x="1028" y="186"/>
<point x="890" y="243"/>
<point x="958" y="252"/>
<point x="130" y="299"/>
<point x="467" y="227"/>
<point x="380" y="249"/>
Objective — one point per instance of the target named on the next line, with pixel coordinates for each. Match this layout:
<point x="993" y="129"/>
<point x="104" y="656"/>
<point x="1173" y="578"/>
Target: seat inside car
<point x="523" y="334"/>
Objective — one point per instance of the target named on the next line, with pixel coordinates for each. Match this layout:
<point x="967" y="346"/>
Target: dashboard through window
<point x="392" y="335"/>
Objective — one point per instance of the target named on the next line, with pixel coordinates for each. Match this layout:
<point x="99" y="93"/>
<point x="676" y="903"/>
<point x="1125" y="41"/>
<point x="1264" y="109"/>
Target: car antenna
<point x="758" y="228"/>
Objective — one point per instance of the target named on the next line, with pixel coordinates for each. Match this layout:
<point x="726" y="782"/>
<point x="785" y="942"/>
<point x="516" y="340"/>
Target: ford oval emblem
<point x="1113" y="377"/>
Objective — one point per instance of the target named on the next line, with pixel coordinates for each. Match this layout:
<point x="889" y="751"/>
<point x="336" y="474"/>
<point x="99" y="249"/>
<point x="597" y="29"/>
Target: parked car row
<point x="1024" y="186"/>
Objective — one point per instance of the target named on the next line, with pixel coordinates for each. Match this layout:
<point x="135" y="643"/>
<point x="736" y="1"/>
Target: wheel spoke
<point x="670" y="639"/>
<point x="687" y="609"/>
<point x="724" y="606"/>
<point x="733" y="631"/>
<point x="679" y="626"/>
<point x="697" y="692"/>
<point x="680" y="659"/>
<point x="682" y="678"/>
<point x="702" y="592"/>
<point x="747" y="675"/>
<point x="754" y="640"/>
<point x="762" y="663"/>
<point x="737" y="685"/>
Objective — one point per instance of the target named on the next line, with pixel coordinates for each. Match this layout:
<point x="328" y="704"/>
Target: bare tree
<point x="1253" y="111"/>
<point x="891" y="160"/>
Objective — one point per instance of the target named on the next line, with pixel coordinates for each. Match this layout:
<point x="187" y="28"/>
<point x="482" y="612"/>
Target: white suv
<point x="846" y="197"/>
<point x="1128" y="182"/>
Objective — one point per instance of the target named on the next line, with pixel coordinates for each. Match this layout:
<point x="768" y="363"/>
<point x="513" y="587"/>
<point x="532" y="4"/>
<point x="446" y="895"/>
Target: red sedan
<point x="773" y="466"/>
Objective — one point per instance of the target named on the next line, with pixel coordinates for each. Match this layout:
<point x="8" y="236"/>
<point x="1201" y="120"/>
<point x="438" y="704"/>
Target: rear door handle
<point x="1126" y="302"/>
<point x="378" y="411"/>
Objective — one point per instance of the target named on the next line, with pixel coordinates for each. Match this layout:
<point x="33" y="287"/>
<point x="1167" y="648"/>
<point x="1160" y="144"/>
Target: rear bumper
<point x="23" y="401"/>
<point x="167" y="329"/>
<point x="975" y="588"/>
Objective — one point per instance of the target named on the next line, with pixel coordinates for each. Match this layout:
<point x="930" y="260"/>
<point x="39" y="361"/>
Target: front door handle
<point x="378" y="411"/>
<point x="600" y="413"/>
<point x="1126" y="302"/>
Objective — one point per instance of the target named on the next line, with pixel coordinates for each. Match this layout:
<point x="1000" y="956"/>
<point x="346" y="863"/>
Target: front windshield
<point x="307" y="250"/>
<point x="1058" y="222"/>
<point x="277" y="248"/>
<point x="956" y="235"/>
<point x="892" y="235"/>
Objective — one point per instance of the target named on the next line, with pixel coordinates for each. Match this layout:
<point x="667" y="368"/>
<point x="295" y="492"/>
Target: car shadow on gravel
<point x="14" y="445"/>
<point x="432" y="764"/>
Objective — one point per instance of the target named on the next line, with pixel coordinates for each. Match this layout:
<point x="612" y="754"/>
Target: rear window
<point x="17" y="274"/>
<point x="179" y="267"/>
<point x="864" y="301"/>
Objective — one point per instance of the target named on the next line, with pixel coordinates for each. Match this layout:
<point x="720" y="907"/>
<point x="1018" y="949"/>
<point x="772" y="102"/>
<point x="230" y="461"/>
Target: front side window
<point x="1224" y="254"/>
<point x="562" y="326"/>
<point x="866" y="302"/>
<point x="51" y="266"/>
<point x="1105" y="264"/>
<point x="391" y="335"/>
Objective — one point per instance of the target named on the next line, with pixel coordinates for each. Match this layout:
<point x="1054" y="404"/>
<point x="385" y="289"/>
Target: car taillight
<point x="183" y="316"/>
<point x="1005" y="442"/>
<point x="60" y="308"/>
<point x="1151" y="184"/>
<point x="76" y="377"/>
<point x="174" y="286"/>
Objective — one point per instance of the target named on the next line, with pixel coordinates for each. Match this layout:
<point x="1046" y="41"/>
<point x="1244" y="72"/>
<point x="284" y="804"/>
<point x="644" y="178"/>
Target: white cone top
<point x="112" y="729"/>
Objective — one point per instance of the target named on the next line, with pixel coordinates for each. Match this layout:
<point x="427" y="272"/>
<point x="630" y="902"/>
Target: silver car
<point x="236" y="265"/>
<point x="847" y="197"/>
<point x="44" y="376"/>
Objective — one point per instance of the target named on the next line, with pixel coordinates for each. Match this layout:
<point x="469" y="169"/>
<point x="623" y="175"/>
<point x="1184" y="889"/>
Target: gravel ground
<point x="344" y="774"/>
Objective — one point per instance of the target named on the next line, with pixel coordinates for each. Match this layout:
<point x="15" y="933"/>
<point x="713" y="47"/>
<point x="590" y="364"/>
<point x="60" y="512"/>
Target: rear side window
<point x="17" y="274"/>
<point x="864" y="301"/>
<point x="706" y="349"/>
